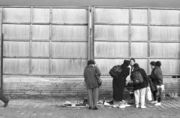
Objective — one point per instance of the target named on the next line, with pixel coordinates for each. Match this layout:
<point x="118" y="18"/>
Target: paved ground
<point x="50" y="108"/>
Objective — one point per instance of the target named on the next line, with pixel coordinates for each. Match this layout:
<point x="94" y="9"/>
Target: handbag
<point x="99" y="81"/>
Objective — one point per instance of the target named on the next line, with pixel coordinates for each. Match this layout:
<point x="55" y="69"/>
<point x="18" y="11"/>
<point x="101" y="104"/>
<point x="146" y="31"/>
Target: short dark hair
<point x="90" y="62"/>
<point x="158" y="63"/>
<point x="136" y="66"/>
<point x="153" y="63"/>
<point x="126" y="63"/>
<point x="132" y="59"/>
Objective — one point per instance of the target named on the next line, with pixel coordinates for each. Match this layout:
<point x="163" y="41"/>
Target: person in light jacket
<point x="91" y="73"/>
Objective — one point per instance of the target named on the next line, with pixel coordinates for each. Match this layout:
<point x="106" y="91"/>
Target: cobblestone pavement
<point x="50" y="108"/>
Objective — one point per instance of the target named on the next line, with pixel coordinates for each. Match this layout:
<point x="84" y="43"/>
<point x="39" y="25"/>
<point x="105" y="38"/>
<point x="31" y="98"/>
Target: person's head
<point x="152" y="63"/>
<point x="136" y="66"/>
<point x="126" y="63"/>
<point x="132" y="61"/>
<point x="90" y="62"/>
<point x="158" y="64"/>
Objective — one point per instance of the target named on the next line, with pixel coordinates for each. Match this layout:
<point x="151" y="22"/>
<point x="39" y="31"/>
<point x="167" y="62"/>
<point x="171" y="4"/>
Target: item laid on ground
<point x="67" y="103"/>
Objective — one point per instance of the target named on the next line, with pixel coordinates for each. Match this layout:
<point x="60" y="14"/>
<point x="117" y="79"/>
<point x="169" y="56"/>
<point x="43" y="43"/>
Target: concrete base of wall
<point x="26" y="86"/>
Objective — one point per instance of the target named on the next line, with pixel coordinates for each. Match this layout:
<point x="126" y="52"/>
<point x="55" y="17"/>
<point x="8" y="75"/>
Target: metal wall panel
<point x="111" y="33"/>
<point x="16" y="66"/>
<point x="41" y="15"/>
<point x="139" y="50"/>
<point x="16" y="49"/>
<point x="16" y="32"/>
<point x="69" y="50"/>
<point x="68" y="66"/>
<point x="69" y="33"/>
<point x="111" y="50"/>
<point x="139" y="33"/>
<point x="40" y="49"/>
<point x="16" y="15"/>
<point x="165" y="50"/>
<point x="165" y="17"/>
<point x="40" y="32"/>
<point x="169" y="66"/>
<point x="69" y="16"/>
<point x="40" y="66"/>
<point x="143" y="63"/>
<point x="139" y="16"/>
<point x="165" y="33"/>
<point x="112" y="16"/>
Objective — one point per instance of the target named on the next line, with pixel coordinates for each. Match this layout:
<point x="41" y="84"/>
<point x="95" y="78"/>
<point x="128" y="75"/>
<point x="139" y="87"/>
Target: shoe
<point x="111" y="102"/>
<point x="95" y="108"/>
<point x="143" y="107"/>
<point x="158" y="104"/>
<point x="6" y="103"/>
<point x="154" y="102"/>
<point x="137" y="106"/>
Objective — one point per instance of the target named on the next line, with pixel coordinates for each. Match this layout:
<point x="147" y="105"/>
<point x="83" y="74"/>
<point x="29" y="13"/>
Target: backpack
<point x="115" y="70"/>
<point x="137" y="77"/>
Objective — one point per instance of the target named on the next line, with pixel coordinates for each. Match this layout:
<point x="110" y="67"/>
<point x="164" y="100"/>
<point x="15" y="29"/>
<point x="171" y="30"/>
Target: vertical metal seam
<point x="129" y="34"/>
<point x="30" y="41"/>
<point x="50" y="39"/>
<point x="2" y="37"/>
<point x="149" y="39"/>
<point x="89" y="35"/>
<point x="93" y="32"/>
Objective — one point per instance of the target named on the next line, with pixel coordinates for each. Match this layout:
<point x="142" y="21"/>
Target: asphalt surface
<point x="51" y="108"/>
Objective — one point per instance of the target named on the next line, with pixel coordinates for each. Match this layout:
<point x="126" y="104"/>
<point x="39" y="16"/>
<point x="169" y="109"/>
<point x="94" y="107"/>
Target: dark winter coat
<point x="90" y="76"/>
<point x="156" y="76"/>
<point x="119" y="84"/>
<point x="144" y="84"/>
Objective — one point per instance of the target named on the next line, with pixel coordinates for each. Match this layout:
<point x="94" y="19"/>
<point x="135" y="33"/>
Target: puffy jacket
<point x="156" y="76"/>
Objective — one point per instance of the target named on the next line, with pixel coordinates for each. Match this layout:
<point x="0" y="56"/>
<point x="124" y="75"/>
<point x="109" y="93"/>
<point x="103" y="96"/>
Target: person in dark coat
<point x="157" y="79"/>
<point x="140" y="82"/>
<point x="4" y="98"/>
<point x="91" y="73"/>
<point x="151" y="81"/>
<point x="119" y="84"/>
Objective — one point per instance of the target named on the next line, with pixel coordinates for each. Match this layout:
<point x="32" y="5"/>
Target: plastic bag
<point x="148" y="94"/>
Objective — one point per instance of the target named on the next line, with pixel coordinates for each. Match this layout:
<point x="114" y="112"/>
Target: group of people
<point x="128" y="73"/>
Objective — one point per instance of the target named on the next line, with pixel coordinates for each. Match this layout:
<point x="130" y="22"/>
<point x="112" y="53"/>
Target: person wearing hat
<point x="91" y="73"/>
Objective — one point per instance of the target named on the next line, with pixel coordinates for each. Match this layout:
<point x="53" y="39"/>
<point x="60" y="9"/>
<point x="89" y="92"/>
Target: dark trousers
<point x="118" y="89"/>
<point x="3" y="98"/>
<point x="157" y="95"/>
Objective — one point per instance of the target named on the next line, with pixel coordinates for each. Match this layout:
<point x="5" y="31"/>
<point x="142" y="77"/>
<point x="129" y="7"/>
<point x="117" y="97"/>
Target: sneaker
<point x="137" y="106"/>
<point x="143" y="107"/>
<point x="158" y="104"/>
<point x="95" y="108"/>
<point x="153" y="102"/>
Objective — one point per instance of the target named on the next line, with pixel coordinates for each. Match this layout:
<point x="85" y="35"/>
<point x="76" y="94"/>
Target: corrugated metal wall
<point x="46" y="49"/>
